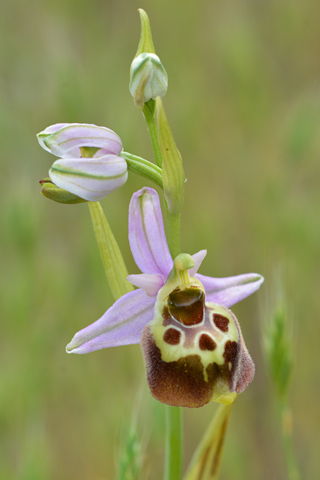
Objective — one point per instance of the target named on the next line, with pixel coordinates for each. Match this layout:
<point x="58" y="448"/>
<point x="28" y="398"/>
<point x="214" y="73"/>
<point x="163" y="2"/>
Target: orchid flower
<point x="192" y="342"/>
<point x="89" y="165"/>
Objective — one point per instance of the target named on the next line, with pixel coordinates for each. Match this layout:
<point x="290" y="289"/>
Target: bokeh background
<point x="244" y="105"/>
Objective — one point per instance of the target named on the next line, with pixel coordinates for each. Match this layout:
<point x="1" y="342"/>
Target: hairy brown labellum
<point x="194" y="351"/>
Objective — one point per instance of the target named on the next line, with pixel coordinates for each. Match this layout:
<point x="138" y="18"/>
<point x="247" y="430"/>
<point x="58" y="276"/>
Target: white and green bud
<point x="90" y="166"/>
<point x="148" y="79"/>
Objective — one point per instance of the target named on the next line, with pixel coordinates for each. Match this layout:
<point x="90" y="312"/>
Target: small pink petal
<point x="198" y="259"/>
<point x="150" y="283"/>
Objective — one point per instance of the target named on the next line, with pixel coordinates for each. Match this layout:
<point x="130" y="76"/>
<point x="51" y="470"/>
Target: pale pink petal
<point x="150" y="283"/>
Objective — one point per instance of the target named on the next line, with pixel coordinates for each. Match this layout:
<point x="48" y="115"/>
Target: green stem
<point x="173" y="460"/>
<point x="143" y="167"/>
<point x="173" y="232"/>
<point x="173" y="465"/>
<point x="287" y="439"/>
<point x="112" y="259"/>
<point x="148" y="111"/>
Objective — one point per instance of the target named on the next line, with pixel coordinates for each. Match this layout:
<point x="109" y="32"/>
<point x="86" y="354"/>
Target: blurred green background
<point x="244" y="105"/>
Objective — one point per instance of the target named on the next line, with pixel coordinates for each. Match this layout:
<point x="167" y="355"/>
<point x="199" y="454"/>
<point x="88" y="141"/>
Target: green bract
<point x="59" y="195"/>
<point x="172" y="167"/>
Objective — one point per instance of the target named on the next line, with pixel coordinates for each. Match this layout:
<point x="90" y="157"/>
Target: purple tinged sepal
<point x="90" y="178"/>
<point x="147" y="237"/>
<point x="66" y="139"/>
<point x="121" y="324"/>
<point x="230" y="290"/>
<point x="193" y="349"/>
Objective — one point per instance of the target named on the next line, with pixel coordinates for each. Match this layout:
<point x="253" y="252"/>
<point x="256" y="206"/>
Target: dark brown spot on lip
<point x="206" y="342"/>
<point x="172" y="336"/>
<point x="231" y="355"/>
<point x="186" y="306"/>
<point x="181" y="382"/>
<point x="221" y="322"/>
<point x="231" y="352"/>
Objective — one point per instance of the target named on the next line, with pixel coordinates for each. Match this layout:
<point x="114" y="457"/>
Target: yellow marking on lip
<point x="172" y="353"/>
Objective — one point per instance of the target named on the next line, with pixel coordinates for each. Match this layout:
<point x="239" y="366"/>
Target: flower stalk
<point x="173" y="232"/>
<point x="143" y="167"/>
<point x="148" y="113"/>
<point x="173" y="459"/>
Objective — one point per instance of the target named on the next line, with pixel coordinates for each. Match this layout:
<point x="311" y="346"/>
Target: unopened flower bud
<point x="90" y="166"/>
<point x="148" y="78"/>
<point x="66" y="139"/>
